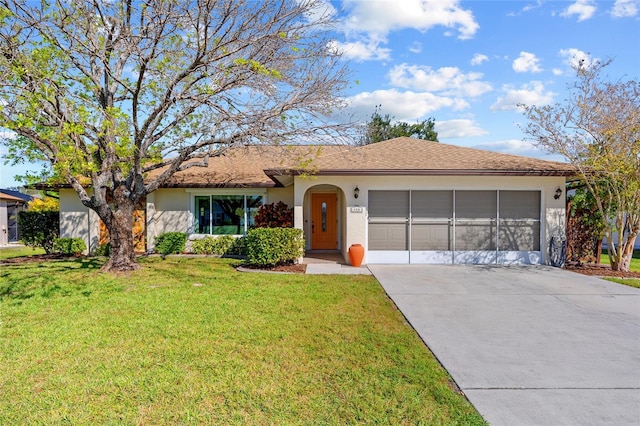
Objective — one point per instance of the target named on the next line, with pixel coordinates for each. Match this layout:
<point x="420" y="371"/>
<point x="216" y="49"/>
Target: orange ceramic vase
<point x="356" y="254"/>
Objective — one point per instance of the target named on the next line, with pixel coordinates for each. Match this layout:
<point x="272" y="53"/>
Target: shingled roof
<point x="268" y="166"/>
<point x="244" y="167"/>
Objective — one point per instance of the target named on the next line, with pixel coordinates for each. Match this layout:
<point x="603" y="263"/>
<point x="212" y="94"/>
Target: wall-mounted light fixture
<point x="558" y="193"/>
<point x="356" y="192"/>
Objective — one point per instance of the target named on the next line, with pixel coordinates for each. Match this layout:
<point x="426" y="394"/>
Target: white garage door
<point x="480" y="227"/>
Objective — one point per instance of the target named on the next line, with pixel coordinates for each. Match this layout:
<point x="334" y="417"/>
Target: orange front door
<point x="324" y="222"/>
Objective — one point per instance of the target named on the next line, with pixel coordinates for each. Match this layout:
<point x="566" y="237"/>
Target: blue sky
<point x="469" y="63"/>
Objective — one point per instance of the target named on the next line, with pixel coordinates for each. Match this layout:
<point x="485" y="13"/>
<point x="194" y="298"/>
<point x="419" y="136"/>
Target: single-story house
<point x="405" y="200"/>
<point x="11" y="203"/>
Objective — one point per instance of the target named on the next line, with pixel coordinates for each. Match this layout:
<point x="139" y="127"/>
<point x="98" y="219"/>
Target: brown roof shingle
<point x="261" y="166"/>
<point x="413" y="156"/>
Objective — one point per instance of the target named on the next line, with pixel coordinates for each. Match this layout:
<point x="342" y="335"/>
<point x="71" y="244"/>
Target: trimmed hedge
<point x="69" y="246"/>
<point x="39" y="228"/>
<point x="171" y="242"/>
<point x="212" y="245"/>
<point x="222" y="245"/>
<point x="274" y="246"/>
<point x="239" y="247"/>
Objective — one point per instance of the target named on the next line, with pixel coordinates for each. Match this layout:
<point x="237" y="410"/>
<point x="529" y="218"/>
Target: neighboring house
<point x="11" y="202"/>
<point x="405" y="200"/>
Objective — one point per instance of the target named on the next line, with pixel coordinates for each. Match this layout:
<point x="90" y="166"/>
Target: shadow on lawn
<point x="45" y="277"/>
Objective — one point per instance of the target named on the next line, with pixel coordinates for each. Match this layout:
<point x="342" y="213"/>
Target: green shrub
<point x="274" y="246"/>
<point x="222" y="245"/>
<point x="171" y="242"/>
<point x="213" y="245"/>
<point x="39" y="228"/>
<point x="69" y="246"/>
<point x="103" y="250"/>
<point x="239" y="247"/>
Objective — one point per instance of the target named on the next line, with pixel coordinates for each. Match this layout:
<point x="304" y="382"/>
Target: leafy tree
<point x="585" y="228"/>
<point x="46" y="204"/>
<point x="108" y="91"/>
<point x="597" y="128"/>
<point x="381" y="128"/>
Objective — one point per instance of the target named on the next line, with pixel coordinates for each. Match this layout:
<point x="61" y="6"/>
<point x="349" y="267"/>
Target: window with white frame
<point x="224" y="214"/>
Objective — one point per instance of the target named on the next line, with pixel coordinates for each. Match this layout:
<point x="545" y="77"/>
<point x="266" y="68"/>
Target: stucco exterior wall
<point x="354" y="211"/>
<point x="285" y="195"/>
<point x="167" y="211"/>
<point x="78" y="221"/>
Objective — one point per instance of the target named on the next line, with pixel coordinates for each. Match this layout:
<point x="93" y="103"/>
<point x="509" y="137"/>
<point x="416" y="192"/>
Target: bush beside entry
<point x="274" y="246"/>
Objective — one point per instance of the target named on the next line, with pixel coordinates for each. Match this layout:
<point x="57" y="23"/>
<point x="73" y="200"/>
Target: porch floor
<point x="312" y="258"/>
<point x="330" y="263"/>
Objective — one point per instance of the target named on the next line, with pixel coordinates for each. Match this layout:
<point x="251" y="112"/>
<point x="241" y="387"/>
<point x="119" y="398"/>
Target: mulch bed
<point x="599" y="270"/>
<point x="296" y="268"/>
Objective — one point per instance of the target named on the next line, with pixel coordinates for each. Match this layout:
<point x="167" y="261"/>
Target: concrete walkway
<point x="528" y="345"/>
<point x="331" y="263"/>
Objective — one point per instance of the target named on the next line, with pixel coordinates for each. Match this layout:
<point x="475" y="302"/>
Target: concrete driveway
<point x="528" y="345"/>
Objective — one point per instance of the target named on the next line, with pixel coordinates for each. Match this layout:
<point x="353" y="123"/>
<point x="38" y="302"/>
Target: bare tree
<point x="598" y="130"/>
<point x="107" y="91"/>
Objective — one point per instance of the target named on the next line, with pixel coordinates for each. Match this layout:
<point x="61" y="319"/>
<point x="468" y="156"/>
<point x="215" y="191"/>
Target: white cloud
<point x="478" y="59"/>
<point x="517" y="147"/>
<point x="416" y="47"/>
<point x="460" y="128"/>
<point x="529" y="7"/>
<point x="585" y="9"/>
<point x="625" y="8"/>
<point x="383" y="16"/>
<point x="527" y="62"/>
<point x="362" y="51"/>
<point x="448" y="80"/>
<point x="404" y="106"/>
<point x="320" y="11"/>
<point x="532" y="93"/>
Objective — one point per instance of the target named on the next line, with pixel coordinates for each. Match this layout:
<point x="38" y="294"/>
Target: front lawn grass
<point x="633" y="266"/>
<point x="192" y="341"/>
<point x="631" y="282"/>
<point x="19" y="251"/>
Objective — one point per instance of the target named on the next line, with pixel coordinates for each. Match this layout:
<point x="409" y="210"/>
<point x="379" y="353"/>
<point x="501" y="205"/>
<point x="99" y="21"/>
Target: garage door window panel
<point x="476" y="213"/>
<point x="519" y="221"/>
<point x="388" y="220"/>
<point x="431" y="220"/>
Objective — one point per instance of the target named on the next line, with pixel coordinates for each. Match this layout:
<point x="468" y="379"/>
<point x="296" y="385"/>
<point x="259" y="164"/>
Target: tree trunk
<point x="622" y="260"/>
<point x="122" y="256"/>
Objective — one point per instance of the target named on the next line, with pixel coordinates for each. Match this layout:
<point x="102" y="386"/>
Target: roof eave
<point x="422" y="172"/>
